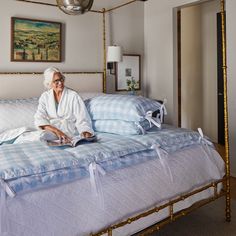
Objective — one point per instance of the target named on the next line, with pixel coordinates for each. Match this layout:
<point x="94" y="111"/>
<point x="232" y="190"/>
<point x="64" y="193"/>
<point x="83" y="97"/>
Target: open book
<point x="74" y="141"/>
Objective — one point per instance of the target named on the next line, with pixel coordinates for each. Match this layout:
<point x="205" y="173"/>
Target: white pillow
<point x="12" y="134"/>
<point x="17" y="113"/>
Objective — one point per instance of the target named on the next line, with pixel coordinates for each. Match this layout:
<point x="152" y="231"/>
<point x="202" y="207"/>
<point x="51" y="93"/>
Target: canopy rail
<point x="91" y="10"/>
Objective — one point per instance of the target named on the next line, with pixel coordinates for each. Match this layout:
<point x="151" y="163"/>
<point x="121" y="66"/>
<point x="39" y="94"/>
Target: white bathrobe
<point x="71" y="117"/>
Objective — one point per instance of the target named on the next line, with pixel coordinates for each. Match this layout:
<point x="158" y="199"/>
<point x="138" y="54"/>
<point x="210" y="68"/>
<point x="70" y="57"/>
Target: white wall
<point x="82" y="36"/>
<point x="126" y="29"/>
<point x="159" y="52"/>
<point x="231" y="59"/>
<point x="83" y="42"/>
<point x="209" y="68"/>
<point x="199" y="68"/>
<point x="191" y="68"/>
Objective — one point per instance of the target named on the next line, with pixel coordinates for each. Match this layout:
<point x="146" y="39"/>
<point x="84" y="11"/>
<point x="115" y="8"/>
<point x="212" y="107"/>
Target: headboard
<point x="26" y="85"/>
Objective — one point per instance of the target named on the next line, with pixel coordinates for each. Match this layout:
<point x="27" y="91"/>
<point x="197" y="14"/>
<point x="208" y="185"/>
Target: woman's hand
<point x="61" y="136"/>
<point x="86" y="134"/>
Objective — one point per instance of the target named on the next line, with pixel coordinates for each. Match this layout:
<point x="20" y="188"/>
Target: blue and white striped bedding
<point x="121" y="127"/>
<point x="34" y="165"/>
<point x="120" y="107"/>
<point x="124" y="114"/>
<point x="65" y="175"/>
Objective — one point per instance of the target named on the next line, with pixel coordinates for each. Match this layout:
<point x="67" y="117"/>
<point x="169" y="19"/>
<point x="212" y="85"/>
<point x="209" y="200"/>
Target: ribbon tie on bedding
<point x="94" y="170"/>
<point x="163" y="110"/>
<point x="151" y="120"/>
<point x="162" y="154"/>
<point x="207" y="146"/>
<point x="3" y="209"/>
<point x="204" y="143"/>
<point x="7" y="188"/>
<point x="141" y="128"/>
<point x="202" y="139"/>
<point x="159" y="119"/>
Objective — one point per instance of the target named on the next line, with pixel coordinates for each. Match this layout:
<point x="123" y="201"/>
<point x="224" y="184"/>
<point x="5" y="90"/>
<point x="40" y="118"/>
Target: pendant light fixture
<point x="74" y="7"/>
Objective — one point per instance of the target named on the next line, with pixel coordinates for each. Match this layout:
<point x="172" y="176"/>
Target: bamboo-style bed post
<point x="104" y="50"/>
<point x="224" y="68"/>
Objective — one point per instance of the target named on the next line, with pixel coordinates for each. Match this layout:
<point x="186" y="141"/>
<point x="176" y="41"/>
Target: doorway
<point x="199" y="68"/>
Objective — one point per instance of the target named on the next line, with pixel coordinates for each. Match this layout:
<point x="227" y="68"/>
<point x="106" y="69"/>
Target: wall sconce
<point x="114" y="54"/>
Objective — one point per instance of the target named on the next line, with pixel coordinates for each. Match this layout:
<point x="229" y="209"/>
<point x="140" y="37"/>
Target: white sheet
<point x="17" y="113"/>
<point x="71" y="209"/>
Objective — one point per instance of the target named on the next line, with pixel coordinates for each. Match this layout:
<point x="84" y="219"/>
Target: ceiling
<point x="97" y="5"/>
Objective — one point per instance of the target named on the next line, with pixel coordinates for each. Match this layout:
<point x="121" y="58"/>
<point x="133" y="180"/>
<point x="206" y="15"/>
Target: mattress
<point x="73" y="210"/>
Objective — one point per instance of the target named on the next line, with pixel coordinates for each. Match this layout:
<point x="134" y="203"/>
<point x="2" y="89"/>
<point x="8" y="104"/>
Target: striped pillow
<point x="121" y="107"/>
<point x="121" y="127"/>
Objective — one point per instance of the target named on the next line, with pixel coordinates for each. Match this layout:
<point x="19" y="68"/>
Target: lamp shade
<point x="114" y="54"/>
<point x="74" y="7"/>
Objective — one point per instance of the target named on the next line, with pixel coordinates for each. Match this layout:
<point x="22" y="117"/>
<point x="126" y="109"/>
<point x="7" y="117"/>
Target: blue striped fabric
<point x="169" y="138"/>
<point x="121" y="127"/>
<point x="31" y="165"/>
<point x="18" y="160"/>
<point x="53" y="178"/>
<point x="120" y="107"/>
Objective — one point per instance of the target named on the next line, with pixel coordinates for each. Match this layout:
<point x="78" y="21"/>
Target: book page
<point x="75" y="141"/>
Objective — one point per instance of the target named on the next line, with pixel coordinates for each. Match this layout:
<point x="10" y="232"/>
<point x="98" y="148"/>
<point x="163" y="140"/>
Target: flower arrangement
<point x="132" y="84"/>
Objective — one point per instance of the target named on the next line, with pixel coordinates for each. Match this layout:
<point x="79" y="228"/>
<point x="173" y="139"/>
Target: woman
<point x="61" y="111"/>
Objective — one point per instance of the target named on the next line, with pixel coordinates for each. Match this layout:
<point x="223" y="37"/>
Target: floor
<point x="208" y="220"/>
<point x="233" y="188"/>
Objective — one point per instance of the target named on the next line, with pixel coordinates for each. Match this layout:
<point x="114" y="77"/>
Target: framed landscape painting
<point x="35" y="40"/>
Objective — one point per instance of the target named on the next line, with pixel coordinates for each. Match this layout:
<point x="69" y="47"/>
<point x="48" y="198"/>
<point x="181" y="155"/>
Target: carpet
<point x="206" y="221"/>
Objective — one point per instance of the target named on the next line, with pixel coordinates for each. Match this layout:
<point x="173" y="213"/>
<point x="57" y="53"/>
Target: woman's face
<point x="57" y="82"/>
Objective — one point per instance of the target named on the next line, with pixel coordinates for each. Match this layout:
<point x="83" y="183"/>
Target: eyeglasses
<point x="57" y="81"/>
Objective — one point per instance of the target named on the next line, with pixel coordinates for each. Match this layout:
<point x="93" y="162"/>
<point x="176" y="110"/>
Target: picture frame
<point x="129" y="68"/>
<point x="35" y="40"/>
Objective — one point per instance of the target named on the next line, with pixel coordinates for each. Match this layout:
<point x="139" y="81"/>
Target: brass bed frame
<point x="213" y="185"/>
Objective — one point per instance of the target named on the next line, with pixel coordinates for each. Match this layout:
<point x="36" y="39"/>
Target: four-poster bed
<point x="170" y="209"/>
